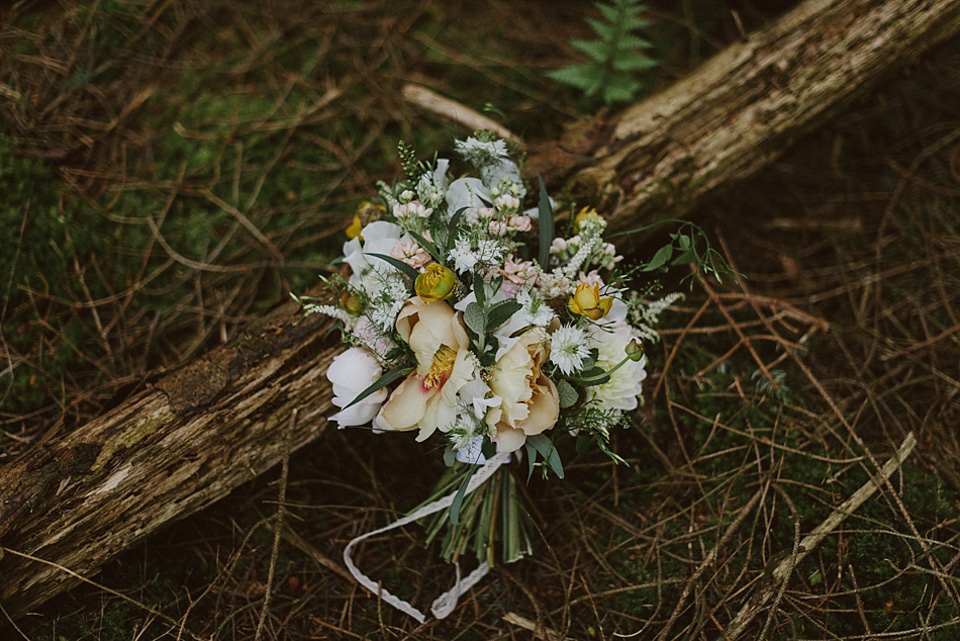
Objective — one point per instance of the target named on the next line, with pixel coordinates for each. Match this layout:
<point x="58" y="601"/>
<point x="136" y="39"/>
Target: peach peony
<point x="427" y="399"/>
<point x="531" y="403"/>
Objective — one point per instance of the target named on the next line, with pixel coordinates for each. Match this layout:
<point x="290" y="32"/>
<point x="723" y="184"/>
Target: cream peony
<point x="351" y="372"/>
<point x="622" y="391"/>
<point x="427" y="399"/>
<point x="531" y="403"/>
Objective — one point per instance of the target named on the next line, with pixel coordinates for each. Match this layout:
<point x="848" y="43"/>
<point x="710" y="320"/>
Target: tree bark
<point x="163" y="454"/>
<point x="200" y="432"/>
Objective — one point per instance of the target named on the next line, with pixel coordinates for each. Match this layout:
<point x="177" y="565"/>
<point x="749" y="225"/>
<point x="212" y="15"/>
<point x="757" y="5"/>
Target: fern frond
<point x="617" y="61"/>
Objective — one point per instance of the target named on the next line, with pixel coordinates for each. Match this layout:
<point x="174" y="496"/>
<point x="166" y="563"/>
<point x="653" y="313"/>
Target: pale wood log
<point x="744" y="107"/>
<point x="200" y="432"/>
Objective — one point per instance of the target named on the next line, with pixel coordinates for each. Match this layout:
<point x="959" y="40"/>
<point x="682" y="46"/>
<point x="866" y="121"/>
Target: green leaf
<point x="546" y="225"/>
<point x="475" y="318"/>
<point x="610" y="13"/>
<point x="531" y="458"/>
<point x="597" y="50"/>
<point x="631" y="43"/>
<point x="630" y="61"/>
<point x="581" y="76"/>
<point x="399" y="264"/>
<point x="545" y="447"/>
<point x="659" y="259"/>
<point x="583" y="443"/>
<point x="449" y="456"/>
<point x="458" y="499"/>
<point x="605" y="30"/>
<point x="500" y="313"/>
<point x="397" y="372"/>
<point x="687" y="257"/>
<point x="568" y="394"/>
<point x="479" y="290"/>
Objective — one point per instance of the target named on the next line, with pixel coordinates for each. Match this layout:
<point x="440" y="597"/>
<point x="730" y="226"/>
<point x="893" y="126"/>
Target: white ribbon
<point x="446" y="602"/>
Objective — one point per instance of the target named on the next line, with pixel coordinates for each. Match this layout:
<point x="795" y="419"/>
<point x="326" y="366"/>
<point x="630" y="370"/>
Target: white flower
<point x="507" y="202"/>
<point x="568" y="348"/>
<point x="350" y="373"/>
<point x="467" y="193"/>
<point x="379" y="237"/>
<point x="463" y="257"/>
<point x="535" y="310"/>
<point x="432" y="186"/>
<point x="490" y="252"/>
<point x="622" y="391"/>
<point x="519" y="223"/>
<point x="481" y="154"/>
<point x="474" y="393"/>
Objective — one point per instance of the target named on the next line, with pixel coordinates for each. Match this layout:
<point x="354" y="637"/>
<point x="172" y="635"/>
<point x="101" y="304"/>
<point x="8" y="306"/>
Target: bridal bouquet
<point x="492" y="329"/>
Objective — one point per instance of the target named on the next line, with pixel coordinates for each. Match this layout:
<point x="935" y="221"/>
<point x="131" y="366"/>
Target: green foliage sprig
<point x="617" y="62"/>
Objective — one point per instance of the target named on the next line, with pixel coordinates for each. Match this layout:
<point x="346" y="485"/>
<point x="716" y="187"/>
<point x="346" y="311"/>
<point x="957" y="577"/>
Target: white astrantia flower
<point x="568" y="348"/>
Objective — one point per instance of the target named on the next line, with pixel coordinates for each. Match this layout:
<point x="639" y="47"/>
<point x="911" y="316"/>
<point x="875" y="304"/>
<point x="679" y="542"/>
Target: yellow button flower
<point x="584" y="215"/>
<point x="355" y="228"/>
<point x="586" y="301"/>
<point x="436" y="283"/>
<point x="351" y="303"/>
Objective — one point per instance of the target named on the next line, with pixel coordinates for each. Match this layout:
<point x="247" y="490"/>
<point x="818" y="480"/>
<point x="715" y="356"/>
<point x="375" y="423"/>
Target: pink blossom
<point x="411" y="253"/>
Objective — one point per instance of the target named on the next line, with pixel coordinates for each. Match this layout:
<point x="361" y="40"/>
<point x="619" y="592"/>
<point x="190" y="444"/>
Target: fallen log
<point x="202" y="431"/>
<point x="743" y="108"/>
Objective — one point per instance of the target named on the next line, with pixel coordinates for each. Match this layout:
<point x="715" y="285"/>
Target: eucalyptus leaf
<point x="548" y="451"/>
<point x="568" y="394"/>
<point x="531" y="458"/>
<point x="449" y="456"/>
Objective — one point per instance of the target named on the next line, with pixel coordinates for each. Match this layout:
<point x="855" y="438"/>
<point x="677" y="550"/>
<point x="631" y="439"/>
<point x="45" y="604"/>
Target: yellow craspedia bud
<point x="351" y="303"/>
<point x="585" y="214"/>
<point x="355" y="228"/>
<point x="436" y="283"/>
<point x="586" y="301"/>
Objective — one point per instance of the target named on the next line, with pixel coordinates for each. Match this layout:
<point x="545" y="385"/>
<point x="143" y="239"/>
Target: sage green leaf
<point x="568" y="394"/>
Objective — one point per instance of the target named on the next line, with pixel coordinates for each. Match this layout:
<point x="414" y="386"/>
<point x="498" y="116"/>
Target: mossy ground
<point x="172" y="170"/>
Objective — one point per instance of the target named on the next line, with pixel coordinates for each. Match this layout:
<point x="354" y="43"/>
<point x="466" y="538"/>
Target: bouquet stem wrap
<point x="446" y="602"/>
